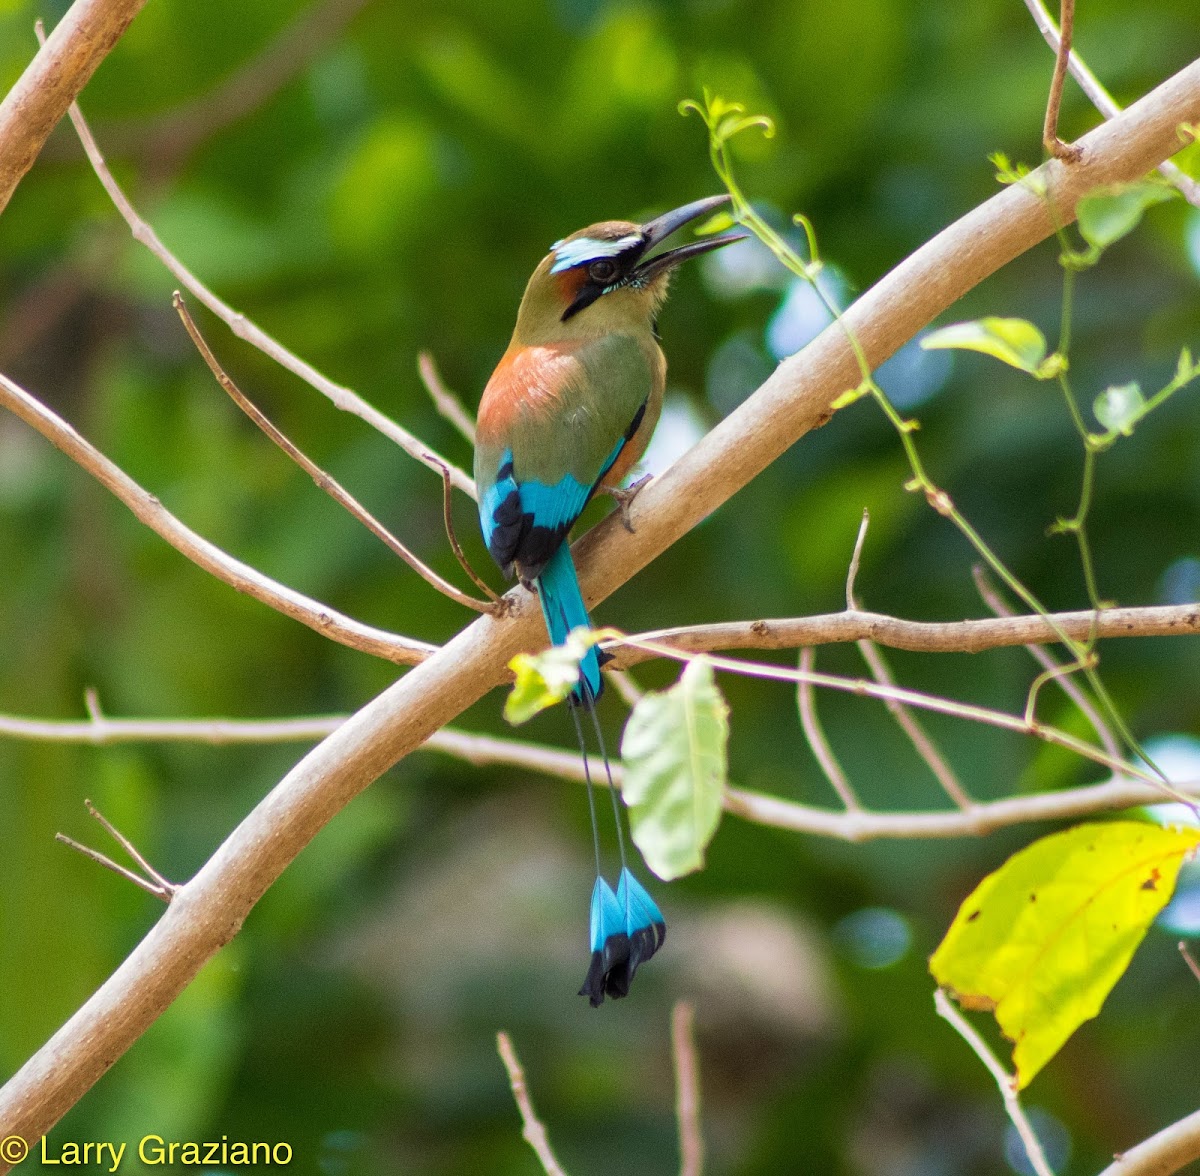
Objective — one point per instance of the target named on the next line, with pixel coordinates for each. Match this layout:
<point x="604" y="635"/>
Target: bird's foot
<point x="625" y="495"/>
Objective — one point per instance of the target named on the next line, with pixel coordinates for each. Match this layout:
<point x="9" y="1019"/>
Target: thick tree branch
<point x="62" y="67"/>
<point x="149" y="510"/>
<point x="209" y="910"/>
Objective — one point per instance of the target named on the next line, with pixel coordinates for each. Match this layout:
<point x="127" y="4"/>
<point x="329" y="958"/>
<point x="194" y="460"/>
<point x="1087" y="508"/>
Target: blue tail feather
<point x="644" y="924"/>
<point x="563" y="608"/>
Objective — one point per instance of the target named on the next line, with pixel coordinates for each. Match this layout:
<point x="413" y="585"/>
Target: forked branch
<point x="150" y="511"/>
<point x="324" y="481"/>
<point x="241" y="326"/>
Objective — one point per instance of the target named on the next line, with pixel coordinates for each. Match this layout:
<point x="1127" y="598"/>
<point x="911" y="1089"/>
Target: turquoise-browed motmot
<point x="567" y="412"/>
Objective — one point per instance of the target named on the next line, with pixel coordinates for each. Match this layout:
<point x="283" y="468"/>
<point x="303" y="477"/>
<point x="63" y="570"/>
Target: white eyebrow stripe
<point x="583" y="249"/>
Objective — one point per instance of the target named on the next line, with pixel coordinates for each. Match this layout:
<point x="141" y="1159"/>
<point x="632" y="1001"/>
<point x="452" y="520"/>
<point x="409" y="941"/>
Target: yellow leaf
<point x="1044" y="938"/>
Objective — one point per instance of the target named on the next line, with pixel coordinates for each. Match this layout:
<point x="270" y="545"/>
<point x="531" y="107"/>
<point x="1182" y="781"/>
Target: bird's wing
<point x="552" y="422"/>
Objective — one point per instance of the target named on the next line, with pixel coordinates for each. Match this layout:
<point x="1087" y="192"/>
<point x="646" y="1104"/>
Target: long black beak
<point x="662" y="227"/>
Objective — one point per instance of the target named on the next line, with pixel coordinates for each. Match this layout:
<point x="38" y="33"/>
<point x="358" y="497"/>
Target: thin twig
<point x="911" y="726"/>
<point x="323" y="481"/>
<point x="929" y="702"/>
<point x="1004" y="1080"/>
<point x="532" y="1129"/>
<point x="240" y="325"/>
<point x="687" y="1089"/>
<point x="164" y="884"/>
<point x="150" y="511"/>
<point x="484" y="750"/>
<point x="1050" y="139"/>
<point x="444" y="400"/>
<point x="882" y="674"/>
<point x="1102" y="100"/>
<point x="852" y="571"/>
<point x="448" y="523"/>
<point x="107" y="862"/>
<point x="150" y="880"/>
<point x="813" y="732"/>
<point x="1189" y="959"/>
<point x="624" y="683"/>
<point x="1047" y="661"/>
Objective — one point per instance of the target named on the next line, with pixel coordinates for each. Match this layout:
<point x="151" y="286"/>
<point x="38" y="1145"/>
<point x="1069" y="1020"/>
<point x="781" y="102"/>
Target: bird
<point x="568" y="411"/>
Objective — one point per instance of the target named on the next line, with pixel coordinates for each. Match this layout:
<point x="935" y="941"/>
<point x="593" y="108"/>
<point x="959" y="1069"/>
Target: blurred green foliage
<point x="393" y="195"/>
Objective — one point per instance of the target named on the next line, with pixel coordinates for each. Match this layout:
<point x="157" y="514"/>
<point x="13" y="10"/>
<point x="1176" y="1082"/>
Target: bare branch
<point x="532" y="1129"/>
<point x="1050" y="140"/>
<point x="687" y="1089"/>
<point x="905" y="719"/>
<point x="624" y="683"/>
<point x="483" y="750"/>
<point x="1025" y="725"/>
<point x="324" y="481"/>
<point x="1189" y="959"/>
<point x="983" y="818"/>
<point x="1168" y="1151"/>
<point x="1004" y="1080"/>
<point x="813" y="732"/>
<point x="1069" y="686"/>
<point x="241" y="326"/>
<point x="209" y="909"/>
<point x="448" y="522"/>
<point x="62" y="67"/>
<point x="911" y="726"/>
<point x="149" y="510"/>
<point x="852" y="571"/>
<point x="973" y="636"/>
<point x="444" y="400"/>
<point x="1102" y="100"/>
<point x="150" y="880"/>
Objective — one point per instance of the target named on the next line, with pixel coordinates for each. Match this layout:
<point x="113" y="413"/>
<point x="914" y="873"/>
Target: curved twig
<point x="325" y="481"/>
<point x="149" y="510"/>
<point x="240" y="325"/>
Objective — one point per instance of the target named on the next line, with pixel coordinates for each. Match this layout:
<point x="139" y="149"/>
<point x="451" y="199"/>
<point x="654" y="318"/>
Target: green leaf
<point x="546" y="678"/>
<point x="674" y="750"/>
<point x="1013" y="341"/>
<point x="1107" y="214"/>
<point x="1042" y="941"/>
<point x="1119" y="407"/>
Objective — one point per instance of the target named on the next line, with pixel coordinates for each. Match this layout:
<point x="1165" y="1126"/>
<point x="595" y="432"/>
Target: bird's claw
<point x="625" y="495"/>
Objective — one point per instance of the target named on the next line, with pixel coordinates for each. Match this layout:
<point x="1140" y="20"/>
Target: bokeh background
<point x="389" y="189"/>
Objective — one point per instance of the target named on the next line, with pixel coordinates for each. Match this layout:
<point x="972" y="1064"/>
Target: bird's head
<point x="608" y="278"/>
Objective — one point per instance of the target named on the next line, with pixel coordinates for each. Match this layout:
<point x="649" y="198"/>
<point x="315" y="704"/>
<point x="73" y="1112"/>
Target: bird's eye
<point x="603" y="271"/>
